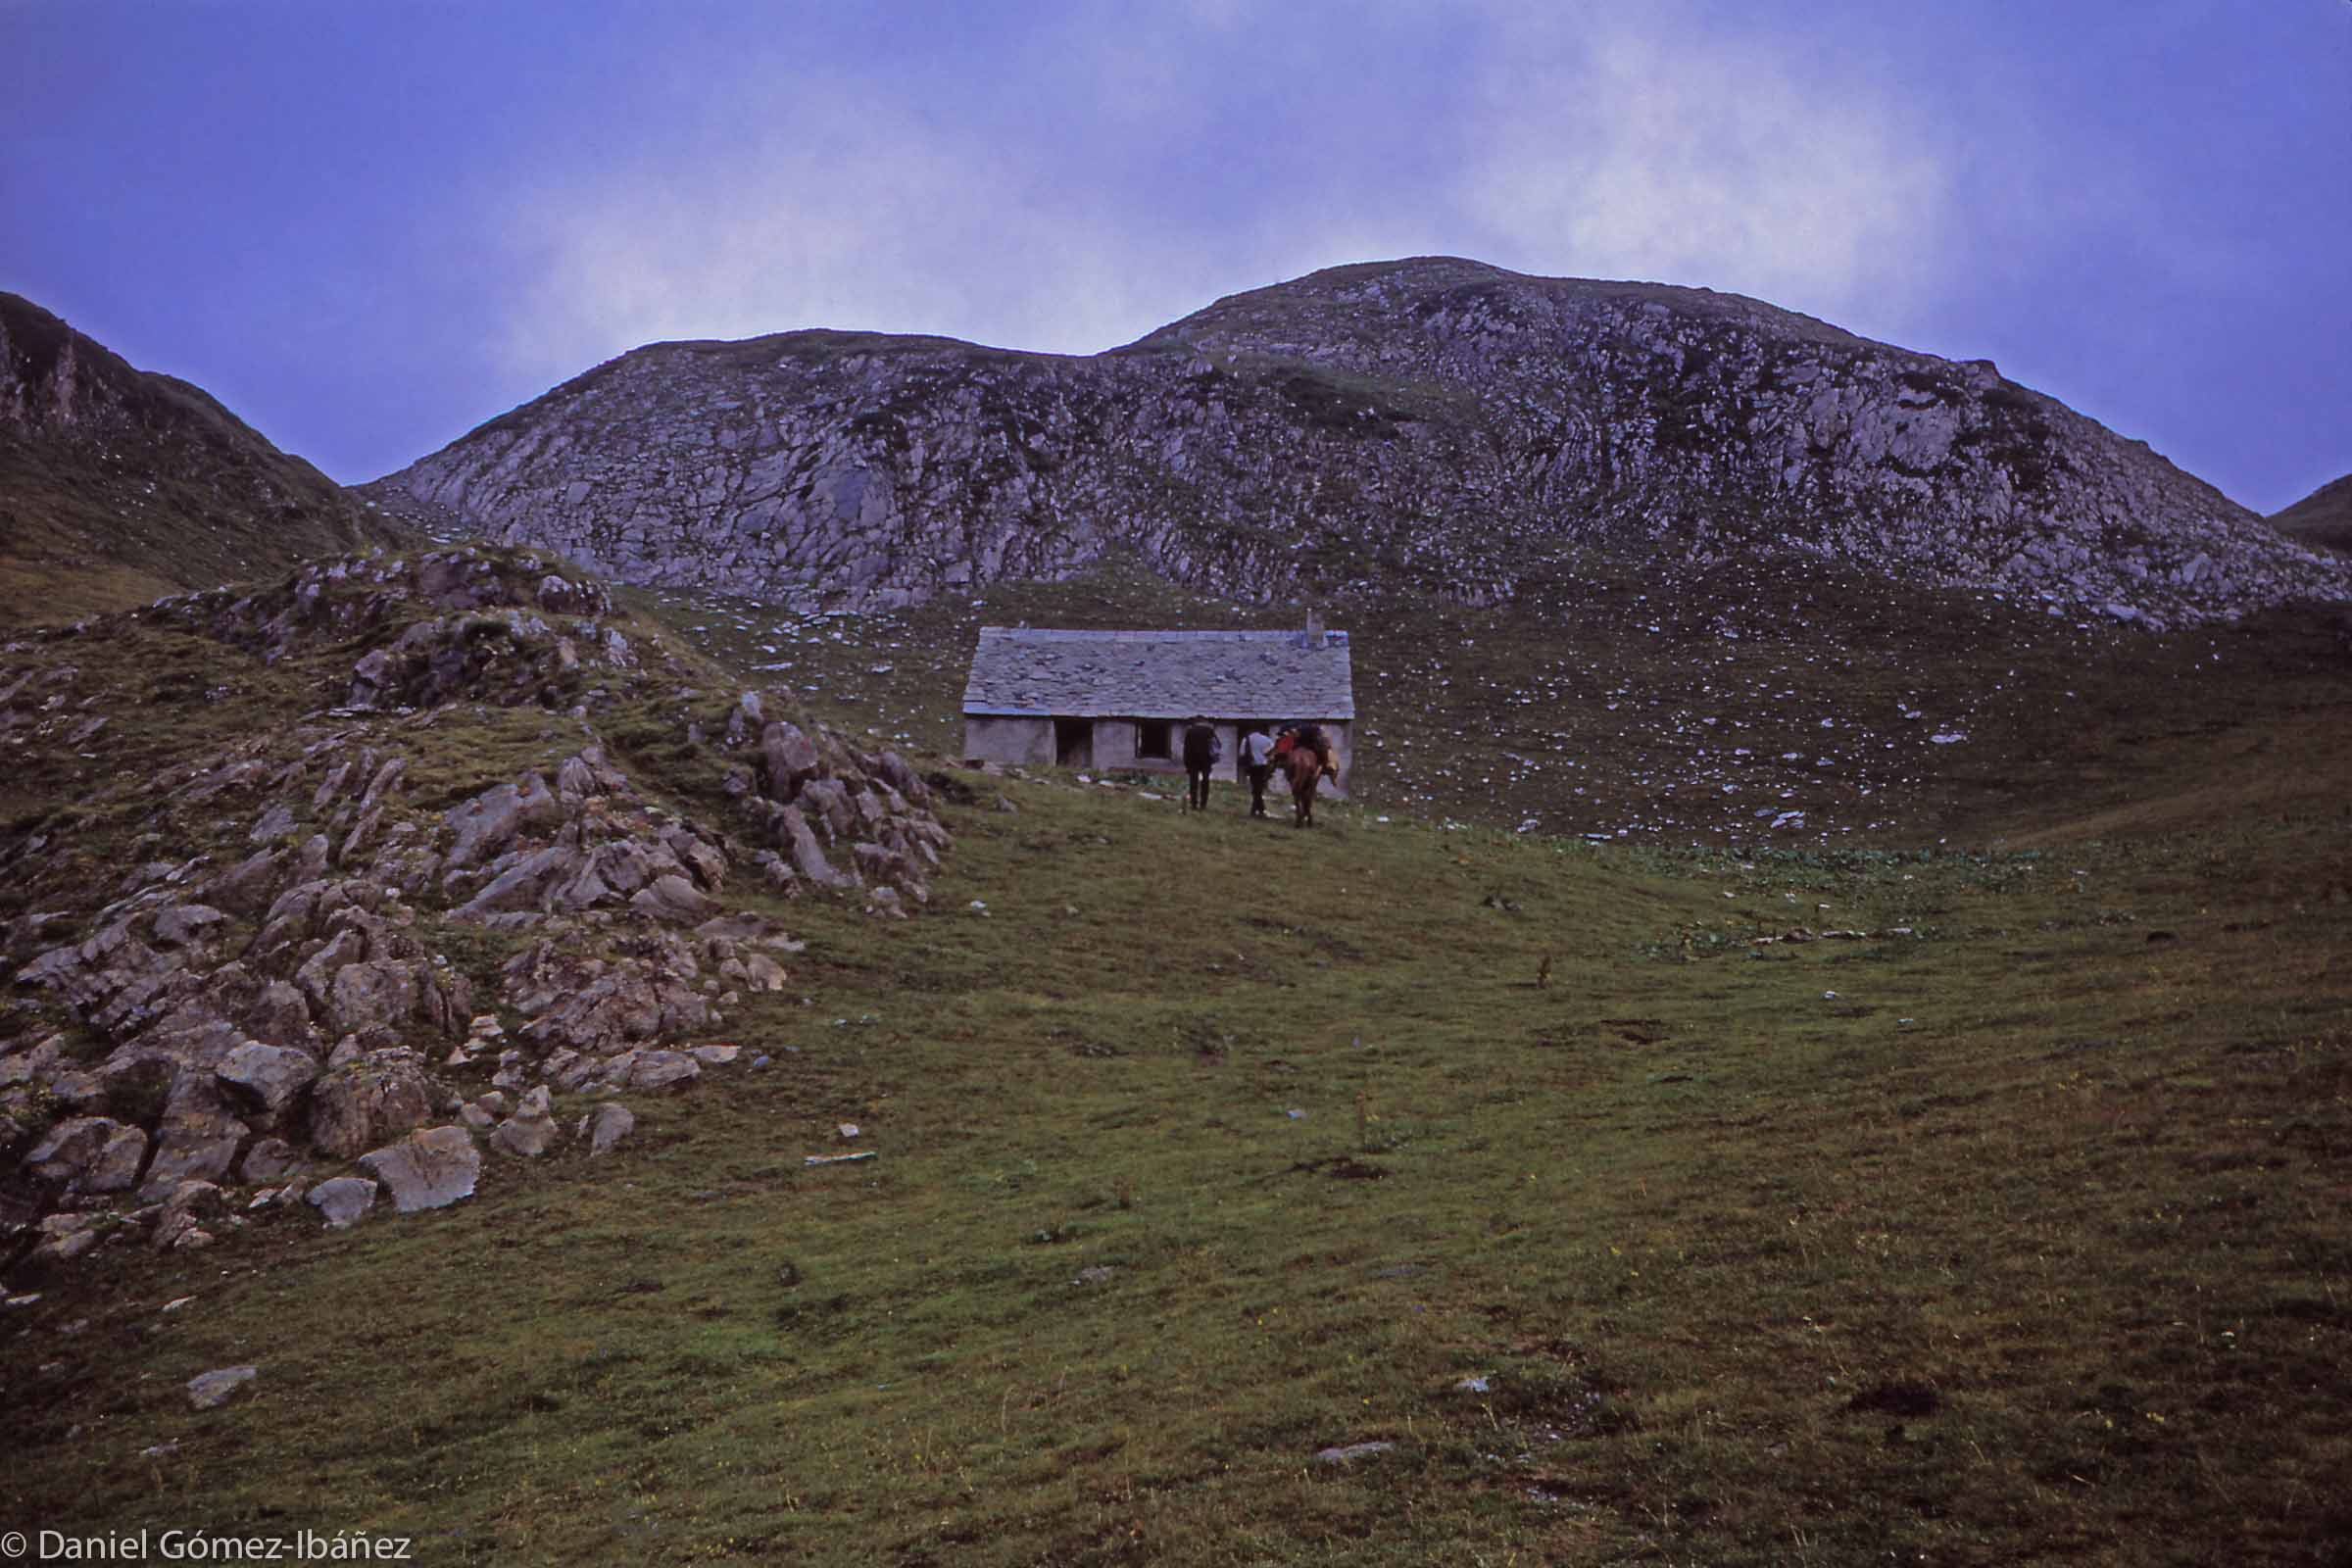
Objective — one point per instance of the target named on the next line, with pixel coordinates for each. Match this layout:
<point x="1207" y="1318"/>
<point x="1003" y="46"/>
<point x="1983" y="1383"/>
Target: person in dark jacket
<point x="1201" y="753"/>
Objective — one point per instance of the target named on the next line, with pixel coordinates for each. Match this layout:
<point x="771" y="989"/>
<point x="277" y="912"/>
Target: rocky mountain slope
<point x="391" y="853"/>
<point x="118" y="485"/>
<point x="2322" y="519"/>
<point x="1435" y="423"/>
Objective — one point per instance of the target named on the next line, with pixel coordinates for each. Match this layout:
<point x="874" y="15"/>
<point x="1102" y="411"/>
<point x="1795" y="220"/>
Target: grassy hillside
<point x="1765" y="703"/>
<point x="2322" y="519"/>
<point x="118" y="485"/>
<point x="2009" y="1229"/>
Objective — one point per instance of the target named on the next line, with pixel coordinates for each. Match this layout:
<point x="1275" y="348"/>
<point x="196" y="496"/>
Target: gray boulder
<point x="791" y="759"/>
<point x="375" y="990"/>
<point x="268" y="1160"/>
<point x="209" y="1391"/>
<point x="265" y="1078"/>
<point x="828" y="804"/>
<point x="489" y="823"/>
<point x="246" y="886"/>
<point x="380" y="1094"/>
<point x="344" y="1199"/>
<point x="432" y="1168"/>
<point x="606" y="1125"/>
<point x="90" y="1155"/>
<point x="599" y="1006"/>
<point x="387" y="779"/>
<point x="279" y="1016"/>
<point x="192" y="1144"/>
<point x="181" y="1223"/>
<point x="658" y="1070"/>
<point x="531" y="1130"/>
<point x="115" y="1169"/>
<point x="183" y="923"/>
<point x="801" y="844"/>
<point x="523" y="885"/>
<point x="674" y="900"/>
<point x="65" y="1237"/>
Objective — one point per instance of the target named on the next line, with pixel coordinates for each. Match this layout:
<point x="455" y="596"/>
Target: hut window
<point x="1152" y="737"/>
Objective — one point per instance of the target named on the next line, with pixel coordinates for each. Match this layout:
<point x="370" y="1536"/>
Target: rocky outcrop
<point x="320" y="943"/>
<point x="1435" y="423"/>
<point x="445" y="627"/>
<point x="90" y="1155"/>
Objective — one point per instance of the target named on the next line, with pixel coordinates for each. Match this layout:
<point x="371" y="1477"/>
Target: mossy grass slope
<point x="1637" y="1227"/>
<point x="2322" y="519"/>
<point x="118" y="485"/>
<point x="1760" y="699"/>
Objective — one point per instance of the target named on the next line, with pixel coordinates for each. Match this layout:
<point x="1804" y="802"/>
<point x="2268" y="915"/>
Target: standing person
<point x="1201" y="751"/>
<point x="1258" y="756"/>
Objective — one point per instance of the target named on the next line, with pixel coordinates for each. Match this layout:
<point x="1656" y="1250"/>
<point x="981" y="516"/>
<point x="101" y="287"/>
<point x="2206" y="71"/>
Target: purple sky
<point x="368" y="226"/>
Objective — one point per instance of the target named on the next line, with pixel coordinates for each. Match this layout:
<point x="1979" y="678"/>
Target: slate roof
<point x="1030" y="672"/>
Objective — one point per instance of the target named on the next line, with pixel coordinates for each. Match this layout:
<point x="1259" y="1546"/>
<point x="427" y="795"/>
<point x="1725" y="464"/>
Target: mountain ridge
<point x="1436" y="421"/>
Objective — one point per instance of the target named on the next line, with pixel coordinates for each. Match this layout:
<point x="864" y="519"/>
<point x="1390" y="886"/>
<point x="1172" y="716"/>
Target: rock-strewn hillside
<point x="391" y="861"/>
<point x="117" y="484"/>
<point x="1434" y="422"/>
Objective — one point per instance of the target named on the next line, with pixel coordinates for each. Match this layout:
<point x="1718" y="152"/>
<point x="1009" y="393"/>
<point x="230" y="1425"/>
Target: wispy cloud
<point x="1582" y="142"/>
<point x="837" y="214"/>
<point x="1664" y="149"/>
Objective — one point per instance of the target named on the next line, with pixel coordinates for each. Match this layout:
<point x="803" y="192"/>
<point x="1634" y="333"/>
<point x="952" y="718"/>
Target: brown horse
<point x="1305" y="770"/>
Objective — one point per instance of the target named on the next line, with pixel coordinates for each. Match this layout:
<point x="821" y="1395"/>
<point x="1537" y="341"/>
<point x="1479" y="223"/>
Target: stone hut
<point x="1119" y="700"/>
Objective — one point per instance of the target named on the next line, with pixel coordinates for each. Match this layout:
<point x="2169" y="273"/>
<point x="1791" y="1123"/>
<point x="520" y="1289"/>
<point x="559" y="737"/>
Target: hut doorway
<point x="1074" y="741"/>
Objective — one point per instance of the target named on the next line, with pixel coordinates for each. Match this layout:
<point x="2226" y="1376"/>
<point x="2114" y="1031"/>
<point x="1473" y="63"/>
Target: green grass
<point x="1766" y="703"/>
<point x="2028" y="1243"/>
<point x="2018" y="1237"/>
<point x="2322" y="519"/>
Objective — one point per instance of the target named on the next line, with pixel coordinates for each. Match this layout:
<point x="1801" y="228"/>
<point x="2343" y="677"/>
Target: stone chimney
<point x="1314" y="631"/>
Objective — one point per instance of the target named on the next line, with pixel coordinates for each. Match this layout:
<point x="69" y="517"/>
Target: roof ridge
<point x="1154" y="633"/>
<point x="1090" y="672"/>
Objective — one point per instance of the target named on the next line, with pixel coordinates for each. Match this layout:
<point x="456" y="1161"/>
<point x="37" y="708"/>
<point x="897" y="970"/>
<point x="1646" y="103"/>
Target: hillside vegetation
<point x="2322" y="519"/>
<point x="1762" y="700"/>
<point x="1389" y="1192"/>
<point x="118" y="485"/>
